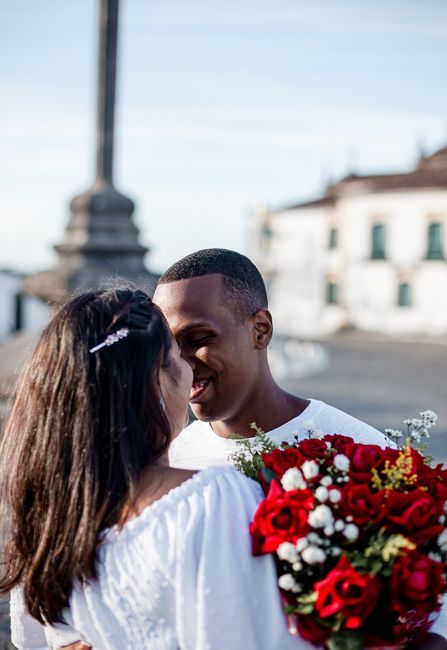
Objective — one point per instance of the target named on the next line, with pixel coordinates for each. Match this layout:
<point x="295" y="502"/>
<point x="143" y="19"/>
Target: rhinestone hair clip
<point x="111" y="339"/>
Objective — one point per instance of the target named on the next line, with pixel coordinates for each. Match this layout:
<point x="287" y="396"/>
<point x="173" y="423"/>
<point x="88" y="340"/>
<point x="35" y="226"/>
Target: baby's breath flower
<point x="293" y="480"/>
<point x="326" y="481"/>
<point x="297" y="566"/>
<point x="322" y="493"/>
<point x="288" y="583"/>
<point x="313" y="555"/>
<point x="301" y="544"/>
<point x="351" y="532"/>
<point x="339" y="525"/>
<point x="435" y="556"/>
<point x="393" y="433"/>
<point x="429" y="418"/>
<point x="310" y="469"/>
<point x="328" y="531"/>
<point x="287" y="552"/>
<point x="442" y="540"/>
<point x="341" y="462"/>
<point x="314" y="538"/>
<point x="320" y="517"/>
<point x="334" y="495"/>
<point x="334" y="550"/>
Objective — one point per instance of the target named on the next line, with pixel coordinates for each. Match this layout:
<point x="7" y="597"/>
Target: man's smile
<point x="198" y="388"/>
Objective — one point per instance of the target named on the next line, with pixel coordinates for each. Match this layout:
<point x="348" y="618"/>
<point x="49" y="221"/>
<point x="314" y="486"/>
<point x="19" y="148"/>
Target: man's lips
<point x="199" y="386"/>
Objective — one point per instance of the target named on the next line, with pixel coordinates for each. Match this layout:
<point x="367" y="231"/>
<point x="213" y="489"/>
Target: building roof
<point x="429" y="173"/>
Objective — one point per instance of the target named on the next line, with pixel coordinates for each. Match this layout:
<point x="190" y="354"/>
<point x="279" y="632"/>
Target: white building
<point x="369" y="254"/>
<point x="19" y="312"/>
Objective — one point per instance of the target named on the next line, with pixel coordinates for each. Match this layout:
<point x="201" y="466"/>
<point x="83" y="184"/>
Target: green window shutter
<point x="332" y="293"/>
<point x="404" y="295"/>
<point x="434" y="251"/>
<point x="333" y="238"/>
<point x="378" y="242"/>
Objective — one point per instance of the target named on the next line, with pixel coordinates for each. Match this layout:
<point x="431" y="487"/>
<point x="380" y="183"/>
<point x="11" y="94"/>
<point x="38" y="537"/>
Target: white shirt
<point x="198" y="446"/>
<point x="179" y="576"/>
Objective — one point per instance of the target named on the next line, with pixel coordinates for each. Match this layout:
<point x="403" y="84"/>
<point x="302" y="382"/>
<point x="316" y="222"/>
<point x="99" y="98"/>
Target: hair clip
<point x="111" y="339"/>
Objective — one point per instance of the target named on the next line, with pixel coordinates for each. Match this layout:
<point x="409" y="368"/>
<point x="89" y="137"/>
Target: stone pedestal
<point x="100" y="247"/>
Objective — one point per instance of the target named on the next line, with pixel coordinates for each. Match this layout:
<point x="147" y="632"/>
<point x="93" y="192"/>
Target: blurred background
<point x="310" y="136"/>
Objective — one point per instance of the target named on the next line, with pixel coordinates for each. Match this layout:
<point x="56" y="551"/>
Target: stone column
<point x="101" y="239"/>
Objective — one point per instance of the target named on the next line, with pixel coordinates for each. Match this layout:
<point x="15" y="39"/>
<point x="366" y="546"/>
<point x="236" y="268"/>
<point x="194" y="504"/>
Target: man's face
<point x="219" y="347"/>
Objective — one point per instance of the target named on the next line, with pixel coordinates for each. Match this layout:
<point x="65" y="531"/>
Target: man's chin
<point x="203" y="413"/>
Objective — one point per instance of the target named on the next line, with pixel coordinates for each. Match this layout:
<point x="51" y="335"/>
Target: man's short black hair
<point x="244" y="288"/>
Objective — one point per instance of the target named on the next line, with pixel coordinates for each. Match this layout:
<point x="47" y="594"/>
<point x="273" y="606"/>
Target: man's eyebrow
<point x="192" y="326"/>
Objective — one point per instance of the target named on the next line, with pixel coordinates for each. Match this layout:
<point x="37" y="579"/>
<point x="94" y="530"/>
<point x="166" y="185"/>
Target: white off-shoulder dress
<point x="179" y="576"/>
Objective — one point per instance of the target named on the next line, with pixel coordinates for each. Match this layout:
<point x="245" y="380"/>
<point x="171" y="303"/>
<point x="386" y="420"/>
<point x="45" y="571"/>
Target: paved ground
<point x="380" y="382"/>
<point x="5" y="643"/>
<point x="383" y="383"/>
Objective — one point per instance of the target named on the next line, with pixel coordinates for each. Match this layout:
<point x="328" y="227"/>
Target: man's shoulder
<point x="331" y="420"/>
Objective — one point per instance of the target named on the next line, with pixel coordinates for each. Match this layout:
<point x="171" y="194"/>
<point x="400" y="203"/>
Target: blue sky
<point x="222" y="106"/>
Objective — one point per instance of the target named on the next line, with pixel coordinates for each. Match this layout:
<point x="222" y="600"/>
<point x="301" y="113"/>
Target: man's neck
<point x="268" y="414"/>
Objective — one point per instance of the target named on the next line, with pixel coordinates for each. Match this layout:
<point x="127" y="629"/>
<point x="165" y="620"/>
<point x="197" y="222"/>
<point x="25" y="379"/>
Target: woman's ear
<point x="262" y="328"/>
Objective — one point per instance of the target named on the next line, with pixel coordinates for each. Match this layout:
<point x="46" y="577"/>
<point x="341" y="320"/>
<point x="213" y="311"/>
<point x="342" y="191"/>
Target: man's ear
<point x="262" y="328"/>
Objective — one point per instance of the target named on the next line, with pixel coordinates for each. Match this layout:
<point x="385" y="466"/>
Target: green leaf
<point x="345" y="640"/>
<point x="311" y="597"/>
<point x="268" y="474"/>
<point x="304" y="609"/>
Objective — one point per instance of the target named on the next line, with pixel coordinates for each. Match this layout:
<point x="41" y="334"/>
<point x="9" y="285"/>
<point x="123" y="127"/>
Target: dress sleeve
<point x="440" y="625"/>
<point x="224" y="597"/>
<point x="26" y="632"/>
<point x="29" y="634"/>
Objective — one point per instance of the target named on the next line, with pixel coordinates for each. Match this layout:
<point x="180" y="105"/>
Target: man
<point x="216" y="306"/>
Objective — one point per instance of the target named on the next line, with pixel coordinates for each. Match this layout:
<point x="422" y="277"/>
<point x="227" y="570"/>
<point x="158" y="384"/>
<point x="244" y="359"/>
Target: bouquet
<point x="358" y="533"/>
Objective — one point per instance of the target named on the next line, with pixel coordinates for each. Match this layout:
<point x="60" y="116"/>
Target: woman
<point x="105" y="544"/>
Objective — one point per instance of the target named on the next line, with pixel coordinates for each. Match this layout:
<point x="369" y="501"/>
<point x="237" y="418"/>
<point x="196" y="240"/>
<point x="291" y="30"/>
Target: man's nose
<point x="189" y="356"/>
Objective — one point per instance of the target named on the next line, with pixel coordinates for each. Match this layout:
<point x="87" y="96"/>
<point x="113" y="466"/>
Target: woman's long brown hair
<point x="82" y="428"/>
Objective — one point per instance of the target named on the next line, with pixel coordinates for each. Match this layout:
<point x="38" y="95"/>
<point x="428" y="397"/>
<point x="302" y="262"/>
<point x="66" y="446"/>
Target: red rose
<point x="363" y="505"/>
<point x="280" y="517"/>
<point x="338" y="441"/>
<point x="310" y="630"/>
<point x="363" y="459"/>
<point x="416" y="584"/>
<point x="414" y="514"/>
<point x="312" y="448"/>
<point x="435" y="479"/>
<point x="280" y="460"/>
<point x="349" y="593"/>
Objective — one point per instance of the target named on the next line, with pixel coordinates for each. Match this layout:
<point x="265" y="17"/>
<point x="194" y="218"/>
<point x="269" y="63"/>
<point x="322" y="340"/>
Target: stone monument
<point x="101" y="243"/>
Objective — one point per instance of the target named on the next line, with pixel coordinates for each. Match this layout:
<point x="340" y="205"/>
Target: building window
<point x="332" y="293"/>
<point x="434" y="251"/>
<point x="333" y="238"/>
<point x="378" y="242"/>
<point x="404" y="295"/>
